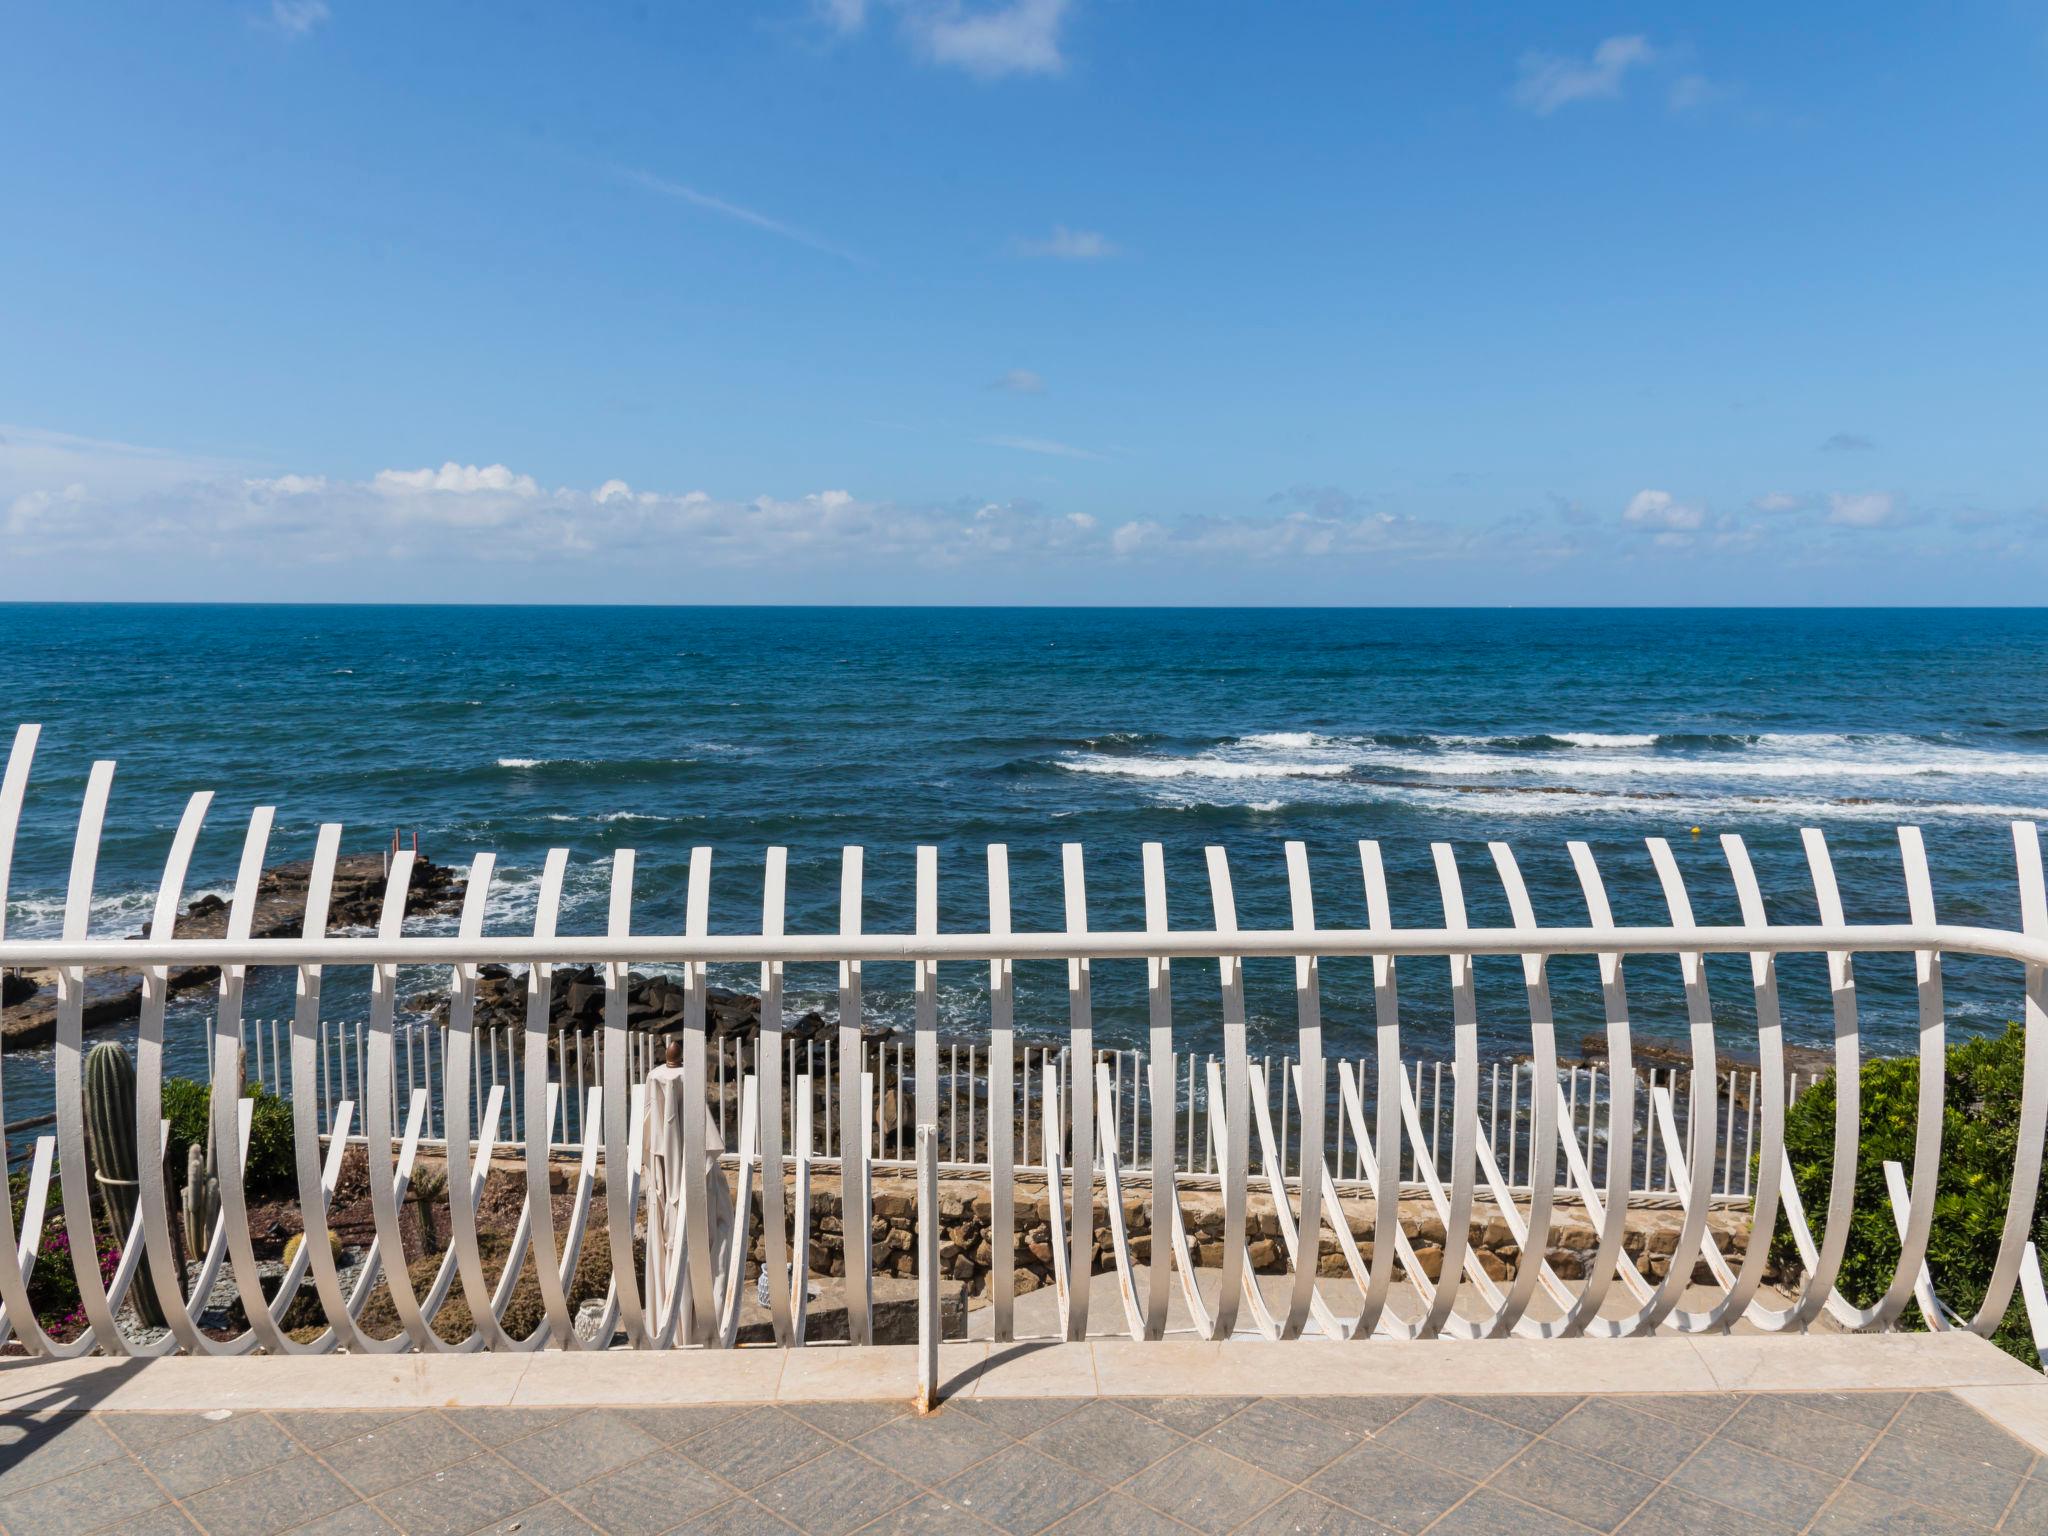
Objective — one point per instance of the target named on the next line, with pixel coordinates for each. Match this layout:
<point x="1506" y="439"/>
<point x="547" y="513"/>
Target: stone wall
<point x="965" y="1253"/>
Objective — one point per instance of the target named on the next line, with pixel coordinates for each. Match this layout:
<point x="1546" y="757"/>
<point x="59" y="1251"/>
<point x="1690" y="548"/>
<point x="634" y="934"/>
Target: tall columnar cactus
<point x="199" y="1201"/>
<point x="110" y="1151"/>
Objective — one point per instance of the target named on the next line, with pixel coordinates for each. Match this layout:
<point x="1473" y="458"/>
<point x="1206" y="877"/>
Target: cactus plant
<point x="110" y="1152"/>
<point x="199" y="1201"/>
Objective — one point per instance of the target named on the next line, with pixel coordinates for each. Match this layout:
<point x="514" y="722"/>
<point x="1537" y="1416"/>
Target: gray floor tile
<point x="837" y="1492"/>
<point x="930" y="1515"/>
<point x="1367" y="1415"/>
<point x="672" y="1426"/>
<point x="1860" y="1511"/>
<point x="1018" y="1417"/>
<point x="398" y="1452"/>
<point x="274" y="1499"/>
<point x="1533" y="1413"/>
<point x="1488" y="1513"/>
<point x="1303" y="1513"/>
<point x="35" y="1450"/>
<point x="1107" y="1441"/>
<point x="316" y="1429"/>
<point x="571" y="1453"/>
<point x="495" y="1426"/>
<point x="459" y="1498"/>
<point x="356" y="1520"/>
<point x="1280" y="1439"/>
<point x="1873" y="1408"/>
<point x="847" y="1421"/>
<point x="649" y="1496"/>
<point x="1755" y="1483"/>
<point x="1941" y="1472"/>
<point x="164" y="1520"/>
<point x="146" y="1431"/>
<point x="1379" y="1482"/>
<point x="1200" y="1486"/>
<point x="1568" y="1482"/>
<point x="219" y="1454"/>
<point x="736" y="1517"/>
<point x="1674" y="1512"/>
<point x="1798" y="1432"/>
<point x="931" y="1450"/>
<point x="1939" y="1420"/>
<point x="1021" y="1490"/>
<point x="88" y="1499"/>
<point x="1121" y="1514"/>
<point x="551" y="1518"/>
<point x="1454" y="1438"/>
<point x="1627" y="1437"/>
<point x="1189" y="1415"/>
<point x="2029" y="1513"/>
<point x="759" y="1444"/>
<point x="1701" y="1412"/>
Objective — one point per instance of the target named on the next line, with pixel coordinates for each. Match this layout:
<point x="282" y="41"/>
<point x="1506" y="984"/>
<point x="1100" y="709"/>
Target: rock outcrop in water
<point x="114" y="993"/>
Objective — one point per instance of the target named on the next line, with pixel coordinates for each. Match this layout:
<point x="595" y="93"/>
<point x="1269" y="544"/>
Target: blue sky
<point x="1021" y="300"/>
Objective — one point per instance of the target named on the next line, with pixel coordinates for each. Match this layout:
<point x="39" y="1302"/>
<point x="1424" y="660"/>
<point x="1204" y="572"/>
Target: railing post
<point x="929" y="1323"/>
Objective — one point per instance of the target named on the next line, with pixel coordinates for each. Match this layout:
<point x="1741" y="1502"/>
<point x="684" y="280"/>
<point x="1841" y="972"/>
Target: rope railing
<point x="1085" y="1172"/>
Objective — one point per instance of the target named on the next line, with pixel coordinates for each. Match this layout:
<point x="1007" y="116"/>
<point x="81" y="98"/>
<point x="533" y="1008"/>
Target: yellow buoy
<point x="1695" y="831"/>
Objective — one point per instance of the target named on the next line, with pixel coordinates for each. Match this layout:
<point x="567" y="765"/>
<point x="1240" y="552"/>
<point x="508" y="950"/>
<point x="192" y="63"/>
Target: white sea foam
<point x="520" y="762"/>
<point x="1205" y="767"/>
<point x="1282" y="741"/>
<point x="1604" y="739"/>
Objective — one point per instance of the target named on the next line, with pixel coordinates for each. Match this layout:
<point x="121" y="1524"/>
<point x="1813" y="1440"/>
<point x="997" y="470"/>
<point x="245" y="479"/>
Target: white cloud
<point x="295" y="18"/>
<point x="1548" y="81"/>
<point x="1133" y="537"/>
<point x="1020" y="381"/>
<point x="461" y="479"/>
<point x="1866" y="509"/>
<point x="1018" y="38"/>
<point x="1065" y="244"/>
<point x="845" y="15"/>
<point x="613" y="490"/>
<point x="1044" y="445"/>
<point x="1780" y="501"/>
<point x="1659" y="509"/>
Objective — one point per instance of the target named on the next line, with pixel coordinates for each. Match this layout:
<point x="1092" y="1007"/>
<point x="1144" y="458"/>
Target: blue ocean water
<point x="661" y="729"/>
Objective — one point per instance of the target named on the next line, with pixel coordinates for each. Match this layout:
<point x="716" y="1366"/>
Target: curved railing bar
<point x="696" y="1086"/>
<point x="1376" y="1315"/>
<point x="800" y="1225"/>
<point x="315" y="1255"/>
<point x="1081" y="1084"/>
<point x="71" y="1160"/>
<point x="1159" y="1090"/>
<point x="1308" y="1013"/>
<point x="1599" y="1211"/>
<point x="1935" y="1312"/>
<point x="165" y="1275"/>
<point x="1468" y="1265"/>
<point x="623" y="1109"/>
<point x="1824" y="1260"/>
<point x="1224" y="1133"/>
<point x="1050" y="1127"/>
<point x="2035" y="1295"/>
<point x="1113" y="1198"/>
<point x="1272" y="1162"/>
<point x="1464" y="1100"/>
<point x="377" y="1091"/>
<point x="1933" y="1081"/>
<point x="1354" y="1108"/>
<point x="768" y="1069"/>
<point x="1002" y="1129"/>
<point x="1701" y="1120"/>
<point x="34" y="1202"/>
<point x="1532" y="1237"/>
<point x="2026" y="1161"/>
<point x="14" y="1299"/>
<point x="1770" y="1186"/>
<point x="457" y="1052"/>
<point x="1518" y="1228"/>
<point x="1234" y="1150"/>
<point x="742" y="1201"/>
<point x="539" y="1123"/>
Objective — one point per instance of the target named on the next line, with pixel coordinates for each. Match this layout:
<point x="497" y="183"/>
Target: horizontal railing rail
<point x="662" y="1152"/>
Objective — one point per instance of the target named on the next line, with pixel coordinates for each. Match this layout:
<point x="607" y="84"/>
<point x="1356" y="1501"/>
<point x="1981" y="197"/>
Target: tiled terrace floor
<point x="1698" y="1462"/>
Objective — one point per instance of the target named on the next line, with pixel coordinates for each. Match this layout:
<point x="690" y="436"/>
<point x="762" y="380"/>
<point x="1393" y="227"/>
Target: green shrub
<point x="1980" y="1130"/>
<point x="272" y="1161"/>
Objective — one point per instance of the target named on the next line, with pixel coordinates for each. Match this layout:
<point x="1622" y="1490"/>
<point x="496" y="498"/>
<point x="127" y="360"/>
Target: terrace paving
<point x="1943" y="1435"/>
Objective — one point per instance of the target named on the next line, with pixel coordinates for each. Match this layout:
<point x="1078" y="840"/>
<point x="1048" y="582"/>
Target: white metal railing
<point x="1461" y="1300"/>
<point x="1507" y="1107"/>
